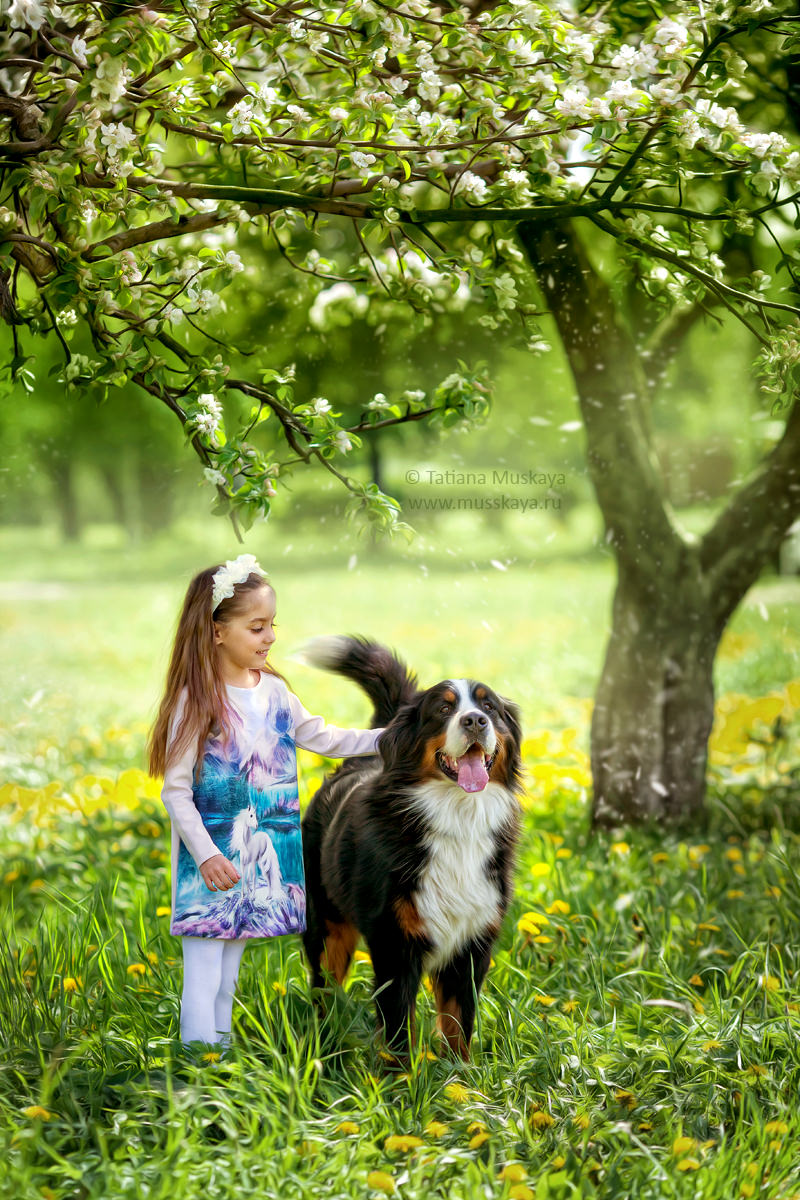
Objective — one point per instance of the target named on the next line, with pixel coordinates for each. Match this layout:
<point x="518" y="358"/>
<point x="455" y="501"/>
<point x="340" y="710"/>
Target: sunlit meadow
<point x="639" y="1031"/>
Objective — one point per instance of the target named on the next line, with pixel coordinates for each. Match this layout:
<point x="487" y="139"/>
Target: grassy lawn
<point x="639" y="1031"/>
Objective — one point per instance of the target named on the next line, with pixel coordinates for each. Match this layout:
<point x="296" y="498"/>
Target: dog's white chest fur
<point x="455" y="899"/>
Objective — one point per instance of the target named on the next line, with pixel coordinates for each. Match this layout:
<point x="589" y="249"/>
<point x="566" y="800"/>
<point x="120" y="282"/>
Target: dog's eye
<point x="487" y="704"/>
<point x="445" y="708"/>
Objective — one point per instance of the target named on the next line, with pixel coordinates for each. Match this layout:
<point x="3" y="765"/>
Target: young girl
<point x="224" y="740"/>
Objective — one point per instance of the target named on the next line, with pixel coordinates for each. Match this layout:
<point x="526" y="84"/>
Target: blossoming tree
<point x="462" y="146"/>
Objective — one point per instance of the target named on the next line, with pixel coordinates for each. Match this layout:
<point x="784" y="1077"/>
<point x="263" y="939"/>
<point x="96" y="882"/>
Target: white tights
<point x="210" y="971"/>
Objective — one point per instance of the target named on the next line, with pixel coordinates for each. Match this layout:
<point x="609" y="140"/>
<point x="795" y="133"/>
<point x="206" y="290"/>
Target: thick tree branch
<point x="748" y="533"/>
<point x="611" y="389"/>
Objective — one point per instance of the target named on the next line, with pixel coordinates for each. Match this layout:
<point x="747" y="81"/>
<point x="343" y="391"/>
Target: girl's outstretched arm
<point x="313" y="733"/>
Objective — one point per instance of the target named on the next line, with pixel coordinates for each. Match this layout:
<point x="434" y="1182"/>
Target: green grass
<point x="664" y="1005"/>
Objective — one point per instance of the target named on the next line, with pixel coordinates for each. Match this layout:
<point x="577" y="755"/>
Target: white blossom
<point x="116" y="137"/>
<point x="321" y="406"/>
<point x="233" y="261"/>
<point x="209" y="404"/>
<point x="111" y="79"/>
<point x="215" y="477"/>
<point x="78" y="49"/>
<point x="360" y="160"/>
<point x="241" y="116"/>
<point x="378" y="402"/>
<point x="30" y="13"/>
<point x="473" y="187"/>
<point x="342" y="442"/>
<point x="573" y="103"/>
<point x="339" y="114"/>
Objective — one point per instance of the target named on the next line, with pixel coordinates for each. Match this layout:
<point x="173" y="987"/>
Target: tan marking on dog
<point x="448" y="1023"/>
<point x="449" y="697"/>
<point x="498" y="771"/>
<point x="480" y="693"/>
<point x="340" y="942"/>
<point x="429" y="768"/>
<point x="408" y="918"/>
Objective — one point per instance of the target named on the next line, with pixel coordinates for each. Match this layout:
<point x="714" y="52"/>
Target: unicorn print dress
<point x="244" y="804"/>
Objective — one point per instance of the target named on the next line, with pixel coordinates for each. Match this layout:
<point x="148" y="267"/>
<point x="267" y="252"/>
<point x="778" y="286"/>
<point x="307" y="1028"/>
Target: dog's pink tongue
<point x="472" y="774"/>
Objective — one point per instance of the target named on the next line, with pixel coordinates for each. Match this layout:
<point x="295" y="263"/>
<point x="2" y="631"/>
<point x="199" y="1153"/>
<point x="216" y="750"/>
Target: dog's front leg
<point x="398" y="970"/>
<point x="456" y="987"/>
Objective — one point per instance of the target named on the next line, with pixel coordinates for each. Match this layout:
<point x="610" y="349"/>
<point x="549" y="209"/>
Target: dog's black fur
<point x="385" y="836"/>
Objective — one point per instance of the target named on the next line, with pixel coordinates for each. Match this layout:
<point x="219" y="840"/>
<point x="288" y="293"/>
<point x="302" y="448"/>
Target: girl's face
<point x="243" y="642"/>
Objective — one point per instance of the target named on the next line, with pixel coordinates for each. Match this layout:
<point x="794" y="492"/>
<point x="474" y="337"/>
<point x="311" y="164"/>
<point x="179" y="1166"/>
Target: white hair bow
<point x="236" y="570"/>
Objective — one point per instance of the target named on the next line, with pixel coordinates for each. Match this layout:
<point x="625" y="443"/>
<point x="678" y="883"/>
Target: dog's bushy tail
<point x="386" y="680"/>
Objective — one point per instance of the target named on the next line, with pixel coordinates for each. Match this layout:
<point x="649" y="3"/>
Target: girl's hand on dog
<point x="219" y="873"/>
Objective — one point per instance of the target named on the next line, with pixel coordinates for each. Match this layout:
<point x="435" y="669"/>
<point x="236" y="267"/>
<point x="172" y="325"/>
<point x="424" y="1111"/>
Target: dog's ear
<point x="511" y="717"/>
<point x="399" y="743"/>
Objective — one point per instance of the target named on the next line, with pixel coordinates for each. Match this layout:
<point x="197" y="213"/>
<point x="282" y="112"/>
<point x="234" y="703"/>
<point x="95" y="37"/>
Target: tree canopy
<point x="144" y="145"/>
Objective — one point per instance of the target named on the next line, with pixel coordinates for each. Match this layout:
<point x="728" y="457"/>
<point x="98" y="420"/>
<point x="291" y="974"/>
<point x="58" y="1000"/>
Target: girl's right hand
<point x="219" y="873"/>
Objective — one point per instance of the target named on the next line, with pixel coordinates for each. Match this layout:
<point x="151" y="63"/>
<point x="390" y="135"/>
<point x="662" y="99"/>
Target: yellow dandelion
<point x="11" y="876"/>
<point x="521" y="1191"/>
<point x="688" y="1164"/>
<point x="211" y="1057"/>
<point x="546" y="1000"/>
<point x="558" y="1162"/>
<point x="528" y="923"/>
<point x="348" y="1127"/>
<point x="71" y="985"/>
<point x="711" y="1044"/>
<point x="436" y="1129"/>
<point x="475" y="1126"/>
<point x="558" y="906"/>
<point x="769" y="983"/>
<point x="619" y="848"/>
<point x="513" y="1173"/>
<point x="776" y="1127"/>
<point x="36" y="885"/>
<point x="137" y="969"/>
<point x="478" y="1140"/>
<point x="278" y="987"/>
<point x="739" y="869"/>
<point x="163" y="910"/>
<point x="152" y="958"/>
<point x="659" y="857"/>
<point x="361" y="956"/>
<point x="540" y="869"/>
<point x="776" y="1146"/>
<point x="773" y="892"/>
<point x="682" y="1144"/>
<point x="696" y="981"/>
<point x="565" y="852"/>
<point x="380" y="1181"/>
<point x="542" y="939"/>
<point x="457" y="1092"/>
<point x="569" y="1006"/>
<point x="645" y="1126"/>
<point x="402" y="1142"/>
<point x="582" y="1121"/>
<point x="734" y="894"/>
<point x="622" y="1096"/>
<point x="542" y="1120"/>
<point x="734" y="854"/>
<point x="36" y="1112"/>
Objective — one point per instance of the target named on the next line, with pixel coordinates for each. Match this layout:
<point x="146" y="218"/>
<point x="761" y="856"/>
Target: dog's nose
<point x="471" y="722"/>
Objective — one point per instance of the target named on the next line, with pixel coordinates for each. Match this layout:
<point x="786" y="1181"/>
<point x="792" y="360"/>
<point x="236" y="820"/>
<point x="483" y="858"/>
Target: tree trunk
<point x="654" y="706"/>
<point x="62" y="474"/>
<point x="655" y="701"/>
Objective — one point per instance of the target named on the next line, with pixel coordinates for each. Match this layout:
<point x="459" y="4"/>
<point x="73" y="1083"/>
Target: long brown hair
<point x="195" y="666"/>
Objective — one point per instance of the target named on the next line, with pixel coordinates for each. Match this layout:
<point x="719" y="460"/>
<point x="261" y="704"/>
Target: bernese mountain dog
<point x="413" y="849"/>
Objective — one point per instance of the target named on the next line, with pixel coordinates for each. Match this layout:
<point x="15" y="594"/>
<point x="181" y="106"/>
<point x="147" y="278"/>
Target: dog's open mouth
<point x="470" y="771"/>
